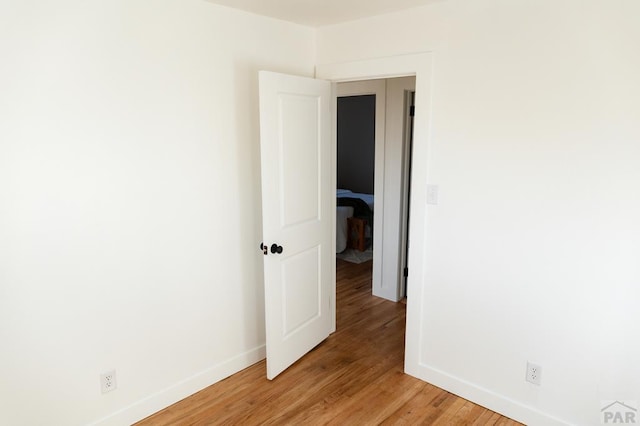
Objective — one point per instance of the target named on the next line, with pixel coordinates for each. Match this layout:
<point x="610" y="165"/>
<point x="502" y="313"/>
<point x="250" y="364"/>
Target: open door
<point x="298" y="215"/>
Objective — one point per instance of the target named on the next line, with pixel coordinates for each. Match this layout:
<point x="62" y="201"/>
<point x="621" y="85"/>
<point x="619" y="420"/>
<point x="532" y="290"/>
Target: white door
<point x="298" y="215"/>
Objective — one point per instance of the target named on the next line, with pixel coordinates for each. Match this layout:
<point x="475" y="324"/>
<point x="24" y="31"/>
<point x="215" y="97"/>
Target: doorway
<point x="377" y="150"/>
<point x="419" y="65"/>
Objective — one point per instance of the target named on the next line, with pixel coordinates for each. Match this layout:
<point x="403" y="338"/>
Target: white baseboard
<point x="484" y="397"/>
<point x="183" y="389"/>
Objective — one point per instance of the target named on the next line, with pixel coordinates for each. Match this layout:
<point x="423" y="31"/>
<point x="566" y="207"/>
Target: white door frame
<point x="395" y="189"/>
<point x="419" y="65"/>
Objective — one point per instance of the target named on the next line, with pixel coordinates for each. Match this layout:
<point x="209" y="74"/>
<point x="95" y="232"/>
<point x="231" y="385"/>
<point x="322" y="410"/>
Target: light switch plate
<point x="432" y="194"/>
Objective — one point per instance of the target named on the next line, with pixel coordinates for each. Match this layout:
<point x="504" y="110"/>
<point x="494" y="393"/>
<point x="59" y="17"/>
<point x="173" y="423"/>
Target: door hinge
<point x="406" y="272"/>
<point x="412" y="111"/>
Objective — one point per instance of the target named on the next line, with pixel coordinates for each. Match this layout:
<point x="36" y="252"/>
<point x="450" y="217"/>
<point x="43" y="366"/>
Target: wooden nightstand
<point x="355" y="233"/>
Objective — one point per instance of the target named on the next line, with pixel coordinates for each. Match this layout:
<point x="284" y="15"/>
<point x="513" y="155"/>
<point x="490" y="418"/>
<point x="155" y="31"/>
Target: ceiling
<point x="317" y="13"/>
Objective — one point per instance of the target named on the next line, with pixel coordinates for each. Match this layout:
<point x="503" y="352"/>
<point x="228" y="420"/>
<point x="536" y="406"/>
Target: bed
<point x="350" y="208"/>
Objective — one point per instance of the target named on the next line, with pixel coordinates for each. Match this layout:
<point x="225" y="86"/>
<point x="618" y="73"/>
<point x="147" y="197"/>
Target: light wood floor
<point x="353" y="378"/>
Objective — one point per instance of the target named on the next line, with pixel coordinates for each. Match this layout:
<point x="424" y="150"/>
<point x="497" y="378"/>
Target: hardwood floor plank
<point x="354" y="377"/>
<point x="412" y="411"/>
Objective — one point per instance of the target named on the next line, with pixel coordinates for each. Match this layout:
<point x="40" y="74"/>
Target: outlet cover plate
<point x="108" y="381"/>
<point x="534" y="373"/>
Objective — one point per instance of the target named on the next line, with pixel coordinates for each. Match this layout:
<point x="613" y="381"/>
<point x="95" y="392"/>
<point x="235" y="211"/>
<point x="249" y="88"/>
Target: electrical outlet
<point x="108" y="381"/>
<point x="534" y="373"/>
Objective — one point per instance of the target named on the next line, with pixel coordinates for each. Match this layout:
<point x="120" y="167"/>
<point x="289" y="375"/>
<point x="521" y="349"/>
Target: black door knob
<point x="276" y="249"/>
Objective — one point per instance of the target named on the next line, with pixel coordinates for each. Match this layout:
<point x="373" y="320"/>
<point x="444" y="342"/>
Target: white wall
<point x="130" y="201"/>
<point x="532" y="250"/>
